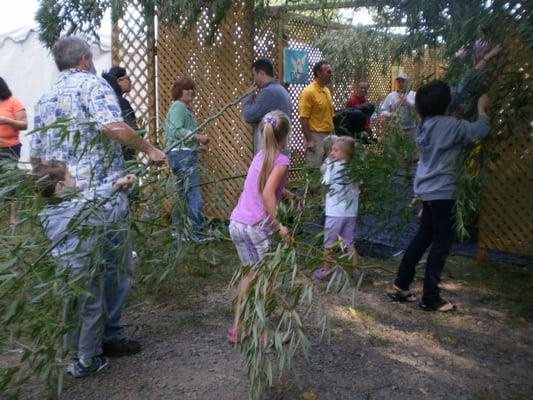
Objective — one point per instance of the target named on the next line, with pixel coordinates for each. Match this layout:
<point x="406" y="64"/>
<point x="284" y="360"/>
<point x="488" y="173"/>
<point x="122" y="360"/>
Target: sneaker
<point x="124" y="347"/>
<point x="81" y="368"/>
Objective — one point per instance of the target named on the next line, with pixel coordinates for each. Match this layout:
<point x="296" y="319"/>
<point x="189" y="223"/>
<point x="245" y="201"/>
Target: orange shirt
<point x="9" y="136"/>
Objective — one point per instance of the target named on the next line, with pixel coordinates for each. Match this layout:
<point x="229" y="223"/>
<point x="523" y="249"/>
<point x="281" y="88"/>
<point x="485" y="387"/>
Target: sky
<point x="20" y="13"/>
<point x="17" y="14"/>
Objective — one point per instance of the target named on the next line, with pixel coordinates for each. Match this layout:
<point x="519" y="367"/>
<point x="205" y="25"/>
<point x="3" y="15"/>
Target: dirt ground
<point x="377" y="350"/>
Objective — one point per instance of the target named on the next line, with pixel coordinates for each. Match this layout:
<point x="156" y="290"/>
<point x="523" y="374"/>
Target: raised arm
<point x="469" y="132"/>
<point x="255" y="107"/>
<point x="123" y="133"/>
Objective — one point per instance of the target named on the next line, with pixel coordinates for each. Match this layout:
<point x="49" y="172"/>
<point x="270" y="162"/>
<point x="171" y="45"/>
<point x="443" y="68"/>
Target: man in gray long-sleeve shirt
<point x="270" y="96"/>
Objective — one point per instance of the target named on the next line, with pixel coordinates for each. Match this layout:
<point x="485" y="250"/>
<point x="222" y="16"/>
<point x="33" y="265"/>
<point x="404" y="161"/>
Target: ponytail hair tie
<point x="269" y="119"/>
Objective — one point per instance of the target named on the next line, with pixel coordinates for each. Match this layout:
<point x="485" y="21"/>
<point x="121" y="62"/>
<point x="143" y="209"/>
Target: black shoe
<point x="125" y="347"/>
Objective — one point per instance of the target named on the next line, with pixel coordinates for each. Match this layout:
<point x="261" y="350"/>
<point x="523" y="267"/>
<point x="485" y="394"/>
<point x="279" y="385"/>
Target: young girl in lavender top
<point x="253" y="221"/>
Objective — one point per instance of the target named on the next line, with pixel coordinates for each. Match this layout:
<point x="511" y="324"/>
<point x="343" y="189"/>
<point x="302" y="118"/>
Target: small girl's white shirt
<point x="342" y="198"/>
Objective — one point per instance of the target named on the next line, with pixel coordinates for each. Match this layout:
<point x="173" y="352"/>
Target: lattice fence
<point x="270" y="38"/>
<point x="221" y="73"/>
<point x="506" y="211"/>
<point x="133" y="49"/>
<point x="420" y="70"/>
<point x="301" y="33"/>
<point x="506" y="217"/>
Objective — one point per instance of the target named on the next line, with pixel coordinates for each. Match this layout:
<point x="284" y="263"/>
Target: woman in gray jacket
<point x="440" y="139"/>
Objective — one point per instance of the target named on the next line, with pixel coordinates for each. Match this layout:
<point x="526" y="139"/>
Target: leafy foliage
<point x="354" y="52"/>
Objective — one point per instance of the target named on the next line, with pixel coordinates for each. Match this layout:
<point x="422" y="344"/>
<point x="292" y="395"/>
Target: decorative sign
<point x="295" y="65"/>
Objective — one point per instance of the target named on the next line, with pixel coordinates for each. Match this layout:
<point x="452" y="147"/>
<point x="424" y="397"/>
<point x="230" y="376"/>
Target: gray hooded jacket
<point x="440" y="140"/>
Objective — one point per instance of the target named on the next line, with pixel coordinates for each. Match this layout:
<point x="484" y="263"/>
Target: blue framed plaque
<point x="295" y="66"/>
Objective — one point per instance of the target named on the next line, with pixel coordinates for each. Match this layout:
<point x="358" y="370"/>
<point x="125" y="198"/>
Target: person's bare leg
<point x="355" y="257"/>
<point x="328" y="260"/>
<point x="243" y="288"/>
<point x="13" y="211"/>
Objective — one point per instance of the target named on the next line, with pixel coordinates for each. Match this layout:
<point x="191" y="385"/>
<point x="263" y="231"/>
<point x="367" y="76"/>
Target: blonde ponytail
<point x="275" y="128"/>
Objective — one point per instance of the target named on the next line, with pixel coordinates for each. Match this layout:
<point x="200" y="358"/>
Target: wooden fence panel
<point x="221" y="72"/>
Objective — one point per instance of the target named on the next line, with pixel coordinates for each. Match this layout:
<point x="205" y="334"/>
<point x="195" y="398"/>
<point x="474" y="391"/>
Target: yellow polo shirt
<point x="317" y="105"/>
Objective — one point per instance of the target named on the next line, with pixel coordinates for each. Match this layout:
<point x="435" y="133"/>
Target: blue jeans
<point x="102" y="260"/>
<point x="184" y="164"/>
<point x="12" y="152"/>
<point x="118" y="262"/>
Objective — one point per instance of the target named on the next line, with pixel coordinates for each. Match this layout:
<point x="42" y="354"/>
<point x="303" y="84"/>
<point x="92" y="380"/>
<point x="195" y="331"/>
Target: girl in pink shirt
<point x="253" y="221"/>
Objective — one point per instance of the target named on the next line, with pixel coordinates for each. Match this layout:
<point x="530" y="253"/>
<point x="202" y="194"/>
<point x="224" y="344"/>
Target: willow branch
<point x="208" y="120"/>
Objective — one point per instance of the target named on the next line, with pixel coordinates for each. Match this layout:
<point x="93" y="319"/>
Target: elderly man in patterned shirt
<point x="81" y="124"/>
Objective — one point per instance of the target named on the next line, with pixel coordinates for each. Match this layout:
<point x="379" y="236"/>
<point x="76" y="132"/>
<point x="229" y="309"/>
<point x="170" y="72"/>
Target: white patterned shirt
<point x="69" y="120"/>
<point x="342" y="197"/>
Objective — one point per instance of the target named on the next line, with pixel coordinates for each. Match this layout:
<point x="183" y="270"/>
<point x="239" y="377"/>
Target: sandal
<point x="402" y="296"/>
<point x="443" y="307"/>
<point x="321" y="274"/>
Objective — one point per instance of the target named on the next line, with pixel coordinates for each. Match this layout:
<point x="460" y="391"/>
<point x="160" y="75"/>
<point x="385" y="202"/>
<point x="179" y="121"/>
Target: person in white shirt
<point x="401" y="104"/>
<point x="342" y="202"/>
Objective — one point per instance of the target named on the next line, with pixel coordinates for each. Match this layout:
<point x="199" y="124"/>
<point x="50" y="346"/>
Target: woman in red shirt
<point x="12" y="120"/>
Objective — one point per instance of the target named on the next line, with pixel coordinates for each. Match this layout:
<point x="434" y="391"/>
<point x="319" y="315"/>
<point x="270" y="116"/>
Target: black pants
<point x="436" y="229"/>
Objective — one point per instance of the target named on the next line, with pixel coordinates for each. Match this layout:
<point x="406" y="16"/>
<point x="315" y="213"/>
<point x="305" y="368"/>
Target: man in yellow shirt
<point x="316" y="113"/>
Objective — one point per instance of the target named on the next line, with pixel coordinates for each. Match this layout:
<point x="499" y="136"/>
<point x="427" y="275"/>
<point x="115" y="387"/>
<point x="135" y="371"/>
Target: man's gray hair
<point x="68" y="52"/>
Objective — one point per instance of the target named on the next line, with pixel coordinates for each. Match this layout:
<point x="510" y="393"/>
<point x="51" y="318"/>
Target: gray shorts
<point x="251" y="241"/>
<point x="339" y="228"/>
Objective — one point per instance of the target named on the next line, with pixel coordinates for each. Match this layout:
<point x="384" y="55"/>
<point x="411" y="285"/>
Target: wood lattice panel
<point x="298" y="35"/>
<point x="221" y="73"/>
<point x="506" y="212"/>
<point x="420" y="71"/>
<point x="133" y="45"/>
<point x="506" y="218"/>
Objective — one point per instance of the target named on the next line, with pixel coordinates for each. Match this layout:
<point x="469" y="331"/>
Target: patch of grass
<point x="223" y="310"/>
<point x="449" y="338"/>
<point x="193" y="321"/>
<point x="380" y="337"/>
<point x="506" y="282"/>
<point x="186" y="278"/>
<point x="365" y="311"/>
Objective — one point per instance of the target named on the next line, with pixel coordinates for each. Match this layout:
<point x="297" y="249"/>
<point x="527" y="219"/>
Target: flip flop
<point x="321" y="274"/>
<point x="402" y="296"/>
<point x="444" y="307"/>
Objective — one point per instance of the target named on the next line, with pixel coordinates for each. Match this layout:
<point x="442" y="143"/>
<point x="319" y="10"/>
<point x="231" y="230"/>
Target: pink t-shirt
<point x="250" y="209"/>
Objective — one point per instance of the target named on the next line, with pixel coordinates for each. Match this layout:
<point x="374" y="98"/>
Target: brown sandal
<point x="443" y="307"/>
<point x="402" y="296"/>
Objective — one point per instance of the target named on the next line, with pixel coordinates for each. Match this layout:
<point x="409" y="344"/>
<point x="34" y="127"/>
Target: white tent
<point x="29" y="69"/>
